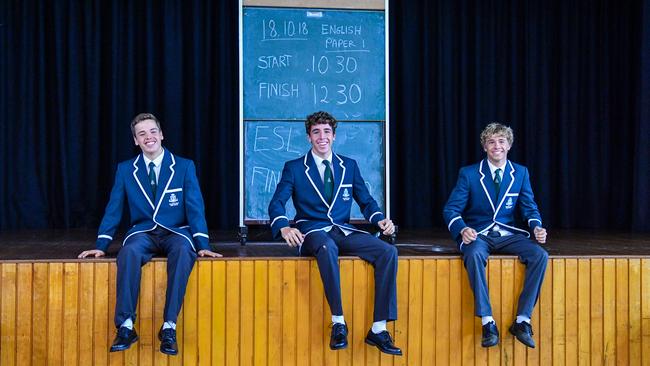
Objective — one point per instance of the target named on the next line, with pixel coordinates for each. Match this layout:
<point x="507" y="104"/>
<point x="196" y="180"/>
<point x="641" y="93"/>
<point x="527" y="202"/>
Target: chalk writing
<point x="278" y="138"/>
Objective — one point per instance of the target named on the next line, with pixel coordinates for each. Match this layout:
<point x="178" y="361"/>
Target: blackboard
<point x="271" y="143"/>
<point x="294" y="62"/>
<point x="297" y="61"/>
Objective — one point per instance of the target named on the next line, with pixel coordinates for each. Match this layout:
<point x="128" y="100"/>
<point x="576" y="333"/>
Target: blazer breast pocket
<point x="346" y="192"/>
<point x="173" y="197"/>
<point x="511" y="201"/>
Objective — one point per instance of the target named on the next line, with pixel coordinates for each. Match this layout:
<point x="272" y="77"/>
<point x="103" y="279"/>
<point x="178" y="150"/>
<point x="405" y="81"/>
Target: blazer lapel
<point x="339" y="175"/>
<point x="165" y="175"/>
<point x="488" y="183"/>
<point x="506" y="182"/>
<point x="339" y="171"/>
<point x="143" y="179"/>
<point x="314" y="177"/>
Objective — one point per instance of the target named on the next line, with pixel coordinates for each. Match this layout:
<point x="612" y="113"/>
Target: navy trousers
<point x="138" y="250"/>
<point x="475" y="256"/>
<point x="326" y="246"/>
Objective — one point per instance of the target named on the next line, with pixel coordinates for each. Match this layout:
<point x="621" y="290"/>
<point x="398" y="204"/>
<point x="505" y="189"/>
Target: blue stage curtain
<point x="571" y="77"/>
<point x="566" y="75"/>
<point x="74" y="74"/>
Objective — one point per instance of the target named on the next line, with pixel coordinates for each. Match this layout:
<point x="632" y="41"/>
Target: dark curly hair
<point x="320" y="118"/>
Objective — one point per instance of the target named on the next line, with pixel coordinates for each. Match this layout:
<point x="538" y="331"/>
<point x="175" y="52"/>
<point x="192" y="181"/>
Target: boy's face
<point x="497" y="147"/>
<point x="148" y="137"/>
<point x="321" y="137"/>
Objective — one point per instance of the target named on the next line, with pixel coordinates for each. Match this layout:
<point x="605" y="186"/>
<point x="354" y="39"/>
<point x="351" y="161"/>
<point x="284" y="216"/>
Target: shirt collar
<point x="157" y="161"/>
<point x="493" y="167"/>
<point x="318" y="160"/>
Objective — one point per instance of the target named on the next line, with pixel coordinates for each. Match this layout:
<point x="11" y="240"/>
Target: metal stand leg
<point x="393" y="237"/>
<point x="243" y="234"/>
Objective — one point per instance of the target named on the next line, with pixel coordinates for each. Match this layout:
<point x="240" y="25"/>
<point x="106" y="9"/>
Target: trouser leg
<point x="137" y="251"/>
<point x="475" y="257"/>
<point x="320" y="245"/>
<point x="180" y="261"/>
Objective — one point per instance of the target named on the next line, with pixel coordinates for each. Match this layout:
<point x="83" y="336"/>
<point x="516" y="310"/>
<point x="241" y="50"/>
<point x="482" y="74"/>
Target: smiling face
<point x="148" y="136"/>
<point x="321" y="136"/>
<point x="497" y="146"/>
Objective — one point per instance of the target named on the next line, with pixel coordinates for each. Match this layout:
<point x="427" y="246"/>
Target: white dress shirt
<point x="157" y="163"/>
<point x="321" y="167"/>
<point x="493" y="170"/>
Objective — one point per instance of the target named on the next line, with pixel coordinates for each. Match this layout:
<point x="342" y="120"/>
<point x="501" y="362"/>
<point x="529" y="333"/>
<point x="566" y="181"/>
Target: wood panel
<point x="24" y="284"/>
<point x="544" y="337"/>
<point x="39" y="315"/>
<point x="609" y="312"/>
<point x="8" y="318"/>
<point x="584" y="307"/>
<point x="204" y="335"/>
<point x="596" y="306"/>
<point x="442" y="313"/>
<point x="571" y="313"/>
<point x="70" y="312"/>
<point x="241" y="311"/>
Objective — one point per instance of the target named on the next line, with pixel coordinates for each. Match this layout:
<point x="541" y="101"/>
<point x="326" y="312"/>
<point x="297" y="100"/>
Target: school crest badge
<point x="173" y="200"/>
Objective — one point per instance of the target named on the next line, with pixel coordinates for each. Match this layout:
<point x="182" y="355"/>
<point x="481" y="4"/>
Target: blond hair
<point x="495" y="128"/>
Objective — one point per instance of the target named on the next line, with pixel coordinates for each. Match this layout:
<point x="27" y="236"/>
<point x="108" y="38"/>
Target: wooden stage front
<point x="261" y="304"/>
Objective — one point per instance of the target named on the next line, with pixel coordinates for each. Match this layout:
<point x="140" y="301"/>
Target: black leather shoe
<point x="523" y="332"/>
<point x="124" y="339"/>
<point x="384" y="342"/>
<point x="490" y="335"/>
<point x="339" y="337"/>
<point x="168" y="341"/>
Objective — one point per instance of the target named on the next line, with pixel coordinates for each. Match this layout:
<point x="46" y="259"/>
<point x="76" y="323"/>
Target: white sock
<point x="487" y="319"/>
<point x="378" y="327"/>
<point x="167" y="325"/>
<point x="338" y="319"/>
<point x="522" y="318"/>
<point x="128" y="323"/>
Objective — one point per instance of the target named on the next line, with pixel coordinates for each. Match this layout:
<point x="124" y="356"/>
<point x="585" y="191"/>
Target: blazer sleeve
<point x="112" y="214"/>
<point x="452" y="212"/>
<point x="369" y="207"/>
<point x="527" y="205"/>
<point x="277" y="209"/>
<point x="195" y="209"/>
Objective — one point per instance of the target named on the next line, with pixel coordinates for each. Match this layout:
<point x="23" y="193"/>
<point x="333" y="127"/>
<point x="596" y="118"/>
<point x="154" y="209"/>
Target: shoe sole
<point x="520" y="341"/>
<point x="368" y="341"/>
<point x="171" y="353"/>
<point x="490" y="342"/>
<point x="119" y="349"/>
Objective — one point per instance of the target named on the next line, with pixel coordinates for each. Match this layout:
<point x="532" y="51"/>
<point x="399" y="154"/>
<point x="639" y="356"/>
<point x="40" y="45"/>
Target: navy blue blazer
<point x="302" y="183"/>
<point x="471" y="203"/>
<point x="179" y="206"/>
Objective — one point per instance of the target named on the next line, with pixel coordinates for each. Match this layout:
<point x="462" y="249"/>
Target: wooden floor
<point x="263" y="305"/>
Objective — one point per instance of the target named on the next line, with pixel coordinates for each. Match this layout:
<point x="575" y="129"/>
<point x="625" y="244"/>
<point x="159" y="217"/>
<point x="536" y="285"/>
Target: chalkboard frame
<point x="308" y="5"/>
